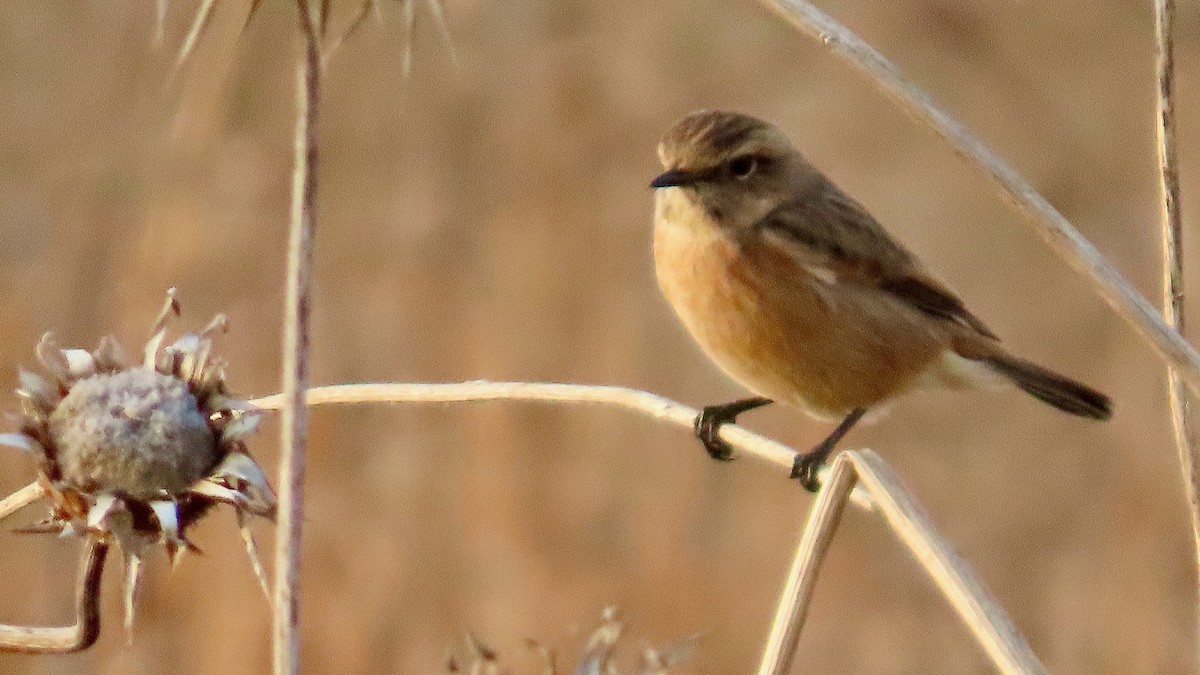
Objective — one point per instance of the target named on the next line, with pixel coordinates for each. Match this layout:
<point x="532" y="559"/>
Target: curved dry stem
<point x="819" y="529"/>
<point x="20" y="499"/>
<point x="62" y="640"/>
<point x="645" y="403"/>
<point x="986" y="620"/>
<point x="1064" y="239"/>
<point x="884" y="492"/>
<point x="966" y="593"/>
<point x="629" y="399"/>
<point x="298" y="306"/>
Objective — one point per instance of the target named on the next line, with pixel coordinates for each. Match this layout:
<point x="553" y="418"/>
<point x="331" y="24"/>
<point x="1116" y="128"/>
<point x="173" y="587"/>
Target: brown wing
<point x="830" y="230"/>
<point x="932" y="298"/>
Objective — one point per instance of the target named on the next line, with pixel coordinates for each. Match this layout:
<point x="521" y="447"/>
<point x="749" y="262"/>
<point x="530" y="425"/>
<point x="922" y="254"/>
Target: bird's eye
<point x="742" y="167"/>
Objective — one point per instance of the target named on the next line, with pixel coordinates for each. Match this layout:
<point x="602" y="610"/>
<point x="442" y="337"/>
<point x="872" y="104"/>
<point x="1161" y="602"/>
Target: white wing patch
<point x="824" y="274"/>
<point x="825" y="277"/>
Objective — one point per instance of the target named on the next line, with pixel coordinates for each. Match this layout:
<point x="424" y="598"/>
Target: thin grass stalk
<point x="297" y="320"/>
<point x="1182" y="423"/>
<point x="819" y="528"/>
<point x="20" y="499"/>
<point x="199" y="24"/>
<point x="1063" y="238"/>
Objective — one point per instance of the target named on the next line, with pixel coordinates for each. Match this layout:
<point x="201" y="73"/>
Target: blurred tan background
<point x="491" y="220"/>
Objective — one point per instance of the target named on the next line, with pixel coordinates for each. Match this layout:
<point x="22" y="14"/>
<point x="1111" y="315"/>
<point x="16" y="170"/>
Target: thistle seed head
<point x="137" y="432"/>
<point x="139" y="452"/>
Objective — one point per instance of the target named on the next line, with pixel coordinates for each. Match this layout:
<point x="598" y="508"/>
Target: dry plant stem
<point x="1172" y="259"/>
<point x="630" y="399"/>
<point x="286" y="605"/>
<point x="199" y="24"/>
<point x="982" y="615"/>
<point x="87" y="609"/>
<point x="797" y="594"/>
<point x="986" y="620"/>
<point x="1064" y="239"/>
<point x="651" y="405"/>
<point x="20" y="499"/>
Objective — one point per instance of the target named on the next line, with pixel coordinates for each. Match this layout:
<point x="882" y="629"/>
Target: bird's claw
<point x="707" y="426"/>
<point x="806" y="466"/>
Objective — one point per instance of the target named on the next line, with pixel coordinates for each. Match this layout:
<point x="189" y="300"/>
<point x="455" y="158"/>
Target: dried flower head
<point x="598" y="656"/>
<point x="140" y="452"/>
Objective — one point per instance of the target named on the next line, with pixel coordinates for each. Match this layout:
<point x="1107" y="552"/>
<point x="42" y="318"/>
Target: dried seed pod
<point x="140" y="453"/>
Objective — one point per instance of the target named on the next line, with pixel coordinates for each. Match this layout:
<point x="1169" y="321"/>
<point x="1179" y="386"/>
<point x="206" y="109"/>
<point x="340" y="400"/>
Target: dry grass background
<point x="492" y="221"/>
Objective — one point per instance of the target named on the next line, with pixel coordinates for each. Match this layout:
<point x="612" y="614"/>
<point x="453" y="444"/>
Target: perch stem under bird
<point x="795" y="291"/>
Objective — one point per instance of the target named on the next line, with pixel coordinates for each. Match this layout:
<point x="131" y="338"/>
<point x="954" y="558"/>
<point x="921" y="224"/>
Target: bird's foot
<point x="807" y="464"/>
<point x="707" y="425"/>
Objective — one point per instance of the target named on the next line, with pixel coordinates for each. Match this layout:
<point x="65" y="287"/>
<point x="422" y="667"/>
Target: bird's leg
<point x="805" y="467"/>
<point x="708" y="424"/>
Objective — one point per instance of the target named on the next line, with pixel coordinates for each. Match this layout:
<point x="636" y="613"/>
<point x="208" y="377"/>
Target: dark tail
<point x="1062" y="393"/>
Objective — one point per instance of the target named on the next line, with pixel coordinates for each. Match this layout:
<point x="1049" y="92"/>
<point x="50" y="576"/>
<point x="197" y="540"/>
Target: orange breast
<point x="781" y="331"/>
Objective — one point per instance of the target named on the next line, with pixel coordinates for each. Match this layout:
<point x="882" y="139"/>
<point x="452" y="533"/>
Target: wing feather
<point x="829" y="231"/>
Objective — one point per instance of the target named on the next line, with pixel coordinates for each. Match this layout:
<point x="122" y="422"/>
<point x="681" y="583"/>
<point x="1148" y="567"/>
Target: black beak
<point x="674" y="178"/>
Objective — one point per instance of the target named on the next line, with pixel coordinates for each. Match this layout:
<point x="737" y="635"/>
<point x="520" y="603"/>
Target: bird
<point x="797" y="293"/>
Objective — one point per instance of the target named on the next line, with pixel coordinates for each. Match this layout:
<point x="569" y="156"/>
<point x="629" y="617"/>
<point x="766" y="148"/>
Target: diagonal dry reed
<point x="200" y="23"/>
<point x="1182" y="359"/>
<point x="986" y="620"/>
<point x="1063" y="238"/>
<point x="20" y="499"/>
